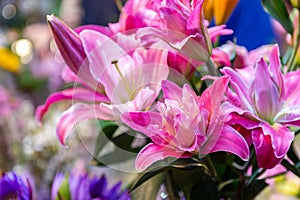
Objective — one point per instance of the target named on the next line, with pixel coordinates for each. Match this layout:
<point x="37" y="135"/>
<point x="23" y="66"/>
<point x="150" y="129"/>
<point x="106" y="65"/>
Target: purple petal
<point x="58" y="179"/>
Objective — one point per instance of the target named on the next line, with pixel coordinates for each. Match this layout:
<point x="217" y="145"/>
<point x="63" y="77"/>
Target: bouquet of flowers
<point x="200" y="119"/>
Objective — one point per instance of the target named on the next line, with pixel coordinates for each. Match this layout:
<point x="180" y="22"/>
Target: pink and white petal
<point x="196" y="18"/>
<point x="281" y="138"/>
<point x="185" y="136"/>
<point x="216" y="31"/>
<point x="240" y="86"/>
<point x="213" y="95"/>
<point x="266" y="93"/>
<point x="264" y="150"/>
<point x="172" y="19"/>
<point x="143" y="100"/>
<point x="262" y="51"/>
<point x="152" y="153"/>
<point x="189" y="101"/>
<point x="101" y="52"/>
<point x="171" y="90"/>
<point x="101" y="29"/>
<point x="147" y="77"/>
<point x="231" y="141"/>
<point x="76" y="94"/>
<point x="289" y="116"/>
<point x="191" y="46"/>
<point x="149" y="123"/>
<point x="211" y="100"/>
<point x="275" y="69"/>
<point x="220" y="57"/>
<point x="75" y="114"/>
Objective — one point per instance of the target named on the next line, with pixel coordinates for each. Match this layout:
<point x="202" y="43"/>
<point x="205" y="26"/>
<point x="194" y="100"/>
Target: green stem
<point x="210" y="166"/>
<point x="292" y="61"/>
<point x="119" y="5"/>
<point x="169" y="187"/>
<point x="211" y="67"/>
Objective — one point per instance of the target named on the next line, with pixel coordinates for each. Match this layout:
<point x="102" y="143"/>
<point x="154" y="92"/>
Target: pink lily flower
<point x="242" y="58"/>
<point x="185" y="125"/>
<point x="265" y="103"/>
<point x="129" y="82"/>
<point x="183" y="27"/>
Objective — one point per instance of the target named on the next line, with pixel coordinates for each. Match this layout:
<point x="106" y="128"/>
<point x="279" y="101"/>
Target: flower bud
<point x="68" y="43"/>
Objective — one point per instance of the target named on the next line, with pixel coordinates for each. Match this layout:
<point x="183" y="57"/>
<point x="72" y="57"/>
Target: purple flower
<point x="82" y="187"/>
<point x="12" y="186"/>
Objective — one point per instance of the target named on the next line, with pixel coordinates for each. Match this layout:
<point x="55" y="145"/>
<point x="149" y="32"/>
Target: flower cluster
<point x="242" y="102"/>
<point x="82" y="187"/>
<point x="12" y="186"/>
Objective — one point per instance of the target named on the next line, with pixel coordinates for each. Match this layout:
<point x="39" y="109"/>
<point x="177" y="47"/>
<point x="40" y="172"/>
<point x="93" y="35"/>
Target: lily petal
<point x="75" y="114"/>
<point x="171" y="90"/>
<point x="271" y="144"/>
<point x="77" y="94"/>
<point x="231" y="141"/>
<point x="153" y="152"/>
<point x="148" y="123"/>
<point x="266" y="93"/>
<point x="102" y="54"/>
<point x="275" y="72"/>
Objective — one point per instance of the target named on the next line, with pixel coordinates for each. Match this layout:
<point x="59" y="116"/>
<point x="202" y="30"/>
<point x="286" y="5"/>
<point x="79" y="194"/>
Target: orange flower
<point x="219" y="9"/>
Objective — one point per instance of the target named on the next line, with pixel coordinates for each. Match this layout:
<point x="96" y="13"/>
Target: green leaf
<point x="146" y="176"/>
<point x="108" y="128"/>
<point x="291" y="167"/>
<point x="64" y="190"/>
<point x="118" y="155"/>
<point x="165" y="165"/>
<point x="206" y="188"/>
<point x="122" y="149"/>
<point x="254" y="189"/>
<point x="292" y="155"/>
<point x="150" y="188"/>
<point x="278" y="10"/>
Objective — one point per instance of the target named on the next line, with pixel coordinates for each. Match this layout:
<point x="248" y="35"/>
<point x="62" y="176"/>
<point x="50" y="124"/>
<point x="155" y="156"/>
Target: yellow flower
<point x="219" y="9"/>
<point x="295" y="3"/>
<point x="9" y="61"/>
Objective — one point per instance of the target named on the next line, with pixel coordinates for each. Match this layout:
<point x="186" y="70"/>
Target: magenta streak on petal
<point x="75" y="114"/>
<point x="77" y="94"/>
